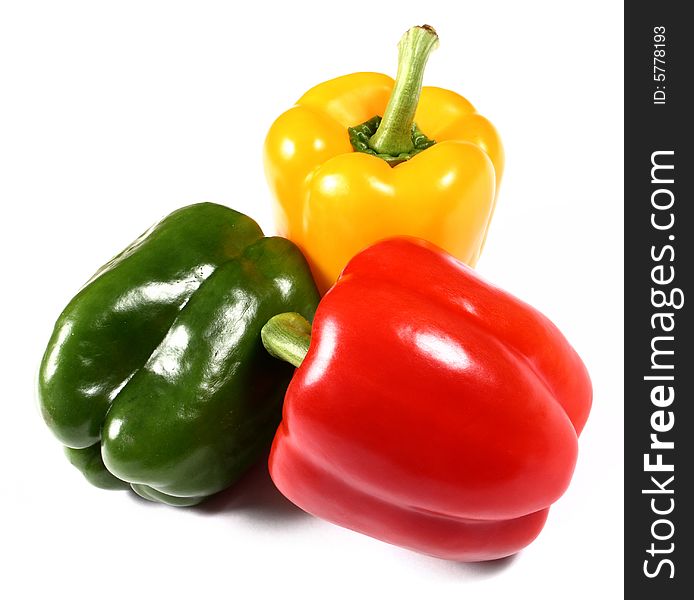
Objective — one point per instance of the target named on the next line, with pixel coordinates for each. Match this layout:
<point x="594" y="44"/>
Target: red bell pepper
<point x="432" y="410"/>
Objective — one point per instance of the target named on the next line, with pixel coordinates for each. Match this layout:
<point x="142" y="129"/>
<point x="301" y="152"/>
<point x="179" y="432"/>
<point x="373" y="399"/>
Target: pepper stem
<point x="394" y="134"/>
<point x="287" y="336"/>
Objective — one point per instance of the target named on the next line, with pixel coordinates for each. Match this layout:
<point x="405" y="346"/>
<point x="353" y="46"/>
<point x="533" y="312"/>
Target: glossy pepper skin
<point x="334" y="201"/>
<point x="432" y="410"/>
<point x="155" y="377"/>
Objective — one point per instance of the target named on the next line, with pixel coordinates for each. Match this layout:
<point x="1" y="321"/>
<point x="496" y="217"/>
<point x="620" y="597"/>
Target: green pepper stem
<point x="287" y="336"/>
<point x="394" y="134"/>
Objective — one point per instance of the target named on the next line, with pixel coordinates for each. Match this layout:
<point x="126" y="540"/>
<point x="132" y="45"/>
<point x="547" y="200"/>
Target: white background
<point x="113" y="114"/>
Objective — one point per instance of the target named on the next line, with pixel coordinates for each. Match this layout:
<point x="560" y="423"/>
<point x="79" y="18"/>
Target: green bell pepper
<point x="155" y="377"/>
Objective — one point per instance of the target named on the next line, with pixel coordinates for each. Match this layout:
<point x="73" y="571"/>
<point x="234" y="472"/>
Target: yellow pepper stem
<point x="394" y="134"/>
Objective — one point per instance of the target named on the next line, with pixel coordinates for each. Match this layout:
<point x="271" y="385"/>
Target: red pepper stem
<point x="287" y="336"/>
<point x="394" y="134"/>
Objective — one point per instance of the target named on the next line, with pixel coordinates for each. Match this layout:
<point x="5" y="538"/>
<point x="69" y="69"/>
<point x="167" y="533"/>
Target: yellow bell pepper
<point x="431" y="169"/>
